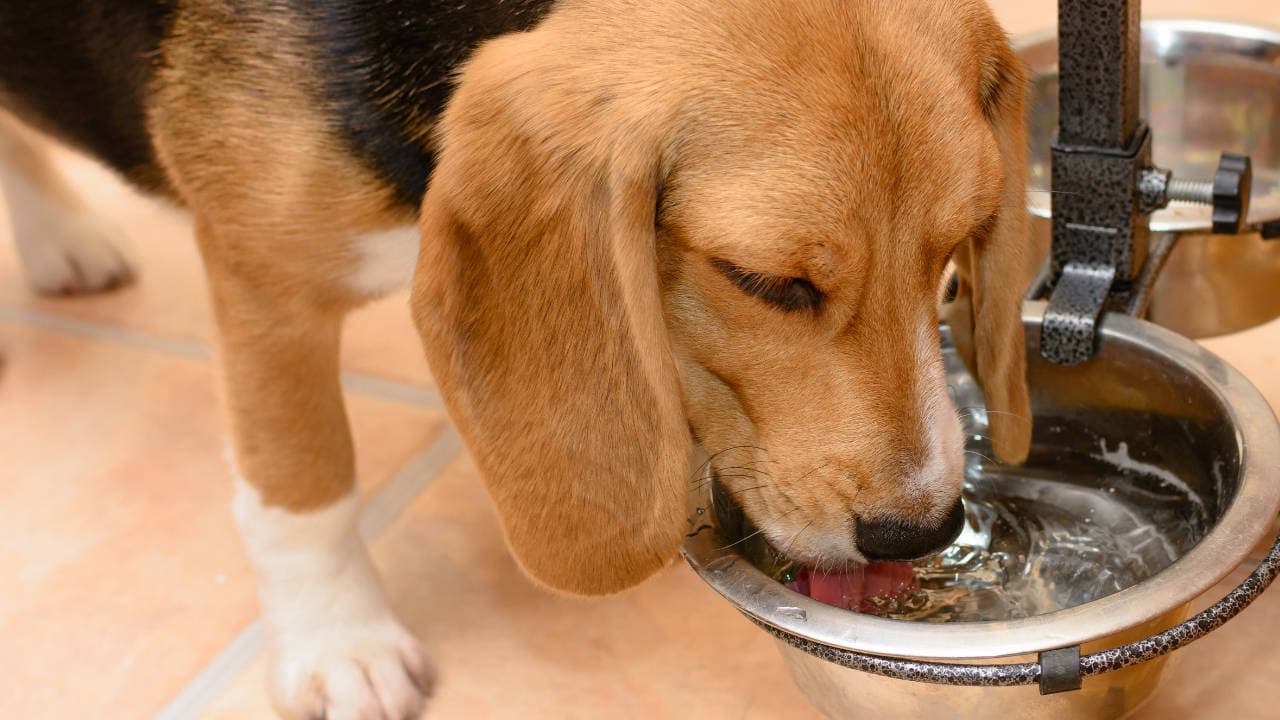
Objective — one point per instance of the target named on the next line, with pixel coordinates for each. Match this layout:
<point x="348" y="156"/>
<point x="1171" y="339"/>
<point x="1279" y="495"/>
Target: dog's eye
<point x="790" y="294"/>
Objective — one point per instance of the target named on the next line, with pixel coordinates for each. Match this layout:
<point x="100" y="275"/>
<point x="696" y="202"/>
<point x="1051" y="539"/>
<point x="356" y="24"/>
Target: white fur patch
<point x="337" y="651"/>
<point x="803" y="537"/>
<point x="63" y="249"/>
<point x="940" y="476"/>
<point x="386" y="260"/>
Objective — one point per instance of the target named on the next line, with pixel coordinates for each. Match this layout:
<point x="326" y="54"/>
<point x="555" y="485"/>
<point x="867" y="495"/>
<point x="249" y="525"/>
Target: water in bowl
<point x="1039" y="539"/>
<point x="1036" y="542"/>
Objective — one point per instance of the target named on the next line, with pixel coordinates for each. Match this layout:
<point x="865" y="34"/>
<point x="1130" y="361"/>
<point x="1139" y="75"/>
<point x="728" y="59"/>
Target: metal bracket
<point x="1069" y="333"/>
<point x="1060" y="670"/>
<point x="1104" y="187"/>
<point x="1099" y="241"/>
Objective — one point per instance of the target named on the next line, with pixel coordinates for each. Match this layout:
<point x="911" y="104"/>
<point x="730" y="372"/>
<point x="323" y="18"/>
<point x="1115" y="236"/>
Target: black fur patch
<point x="388" y="68"/>
<point x="79" y="69"/>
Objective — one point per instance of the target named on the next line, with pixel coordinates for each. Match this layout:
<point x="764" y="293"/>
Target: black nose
<point x="898" y="540"/>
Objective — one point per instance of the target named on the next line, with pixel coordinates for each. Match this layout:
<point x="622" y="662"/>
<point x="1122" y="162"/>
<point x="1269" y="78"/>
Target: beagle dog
<point x="638" y="233"/>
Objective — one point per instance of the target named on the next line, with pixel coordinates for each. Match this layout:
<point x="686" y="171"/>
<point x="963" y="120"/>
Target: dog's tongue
<point x="874" y="588"/>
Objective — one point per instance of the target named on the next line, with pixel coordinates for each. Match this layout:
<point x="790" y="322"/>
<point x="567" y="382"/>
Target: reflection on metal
<point x="1205" y="87"/>
<point x="1219" y="436"/>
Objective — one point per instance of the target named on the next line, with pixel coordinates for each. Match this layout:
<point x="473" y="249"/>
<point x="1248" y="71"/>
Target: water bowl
<point x="1155" y="460"/>
<point x="1206" y="87"/>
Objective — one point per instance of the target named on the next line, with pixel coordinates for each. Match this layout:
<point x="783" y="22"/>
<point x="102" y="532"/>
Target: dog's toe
<point x="374" y="672"/>
<point x="78" y="255"/>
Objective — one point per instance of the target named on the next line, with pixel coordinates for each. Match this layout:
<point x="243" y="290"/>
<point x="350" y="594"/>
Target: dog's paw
<point x="374" y="671"/>
<point x="73" y="255"/>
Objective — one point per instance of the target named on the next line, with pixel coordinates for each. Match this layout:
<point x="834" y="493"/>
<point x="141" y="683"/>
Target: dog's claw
<point x="78" y="255"/>
<point x="353" y="673"/>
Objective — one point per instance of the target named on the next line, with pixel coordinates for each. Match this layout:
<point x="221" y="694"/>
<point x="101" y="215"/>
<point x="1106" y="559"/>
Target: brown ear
<point x="537" y="299"/>
<point x="986" y="315"/>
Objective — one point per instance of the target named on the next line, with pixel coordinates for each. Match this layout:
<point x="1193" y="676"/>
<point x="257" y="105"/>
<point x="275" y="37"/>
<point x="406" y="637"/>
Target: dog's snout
<point x="898" y="540"/>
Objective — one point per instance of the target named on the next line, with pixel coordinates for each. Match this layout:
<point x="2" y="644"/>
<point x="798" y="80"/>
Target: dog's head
<point x="658" y="226"/>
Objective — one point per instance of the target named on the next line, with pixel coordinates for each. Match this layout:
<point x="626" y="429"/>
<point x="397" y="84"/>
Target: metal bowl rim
<point x="1244" y="524"/>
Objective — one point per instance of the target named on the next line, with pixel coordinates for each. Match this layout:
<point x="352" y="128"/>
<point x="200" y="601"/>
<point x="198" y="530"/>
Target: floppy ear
<point x="986" y="315"/>
<point x="537" y="299"/>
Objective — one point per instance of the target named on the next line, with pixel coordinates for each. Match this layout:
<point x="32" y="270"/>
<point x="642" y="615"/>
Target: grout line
<point x="101" y="331"/>
<point x="391" y="390"/>
<point x="378" y="513"/>
<point x="387" y="504"/>
<point x="358" y="383"/>
<point x="212" y="680"/>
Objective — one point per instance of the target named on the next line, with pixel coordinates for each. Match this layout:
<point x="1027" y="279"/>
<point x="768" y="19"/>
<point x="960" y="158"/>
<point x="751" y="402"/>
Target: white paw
<point x="337" y="650"/>
<point x="73" y="254"/>
<point x="364" y="672"/>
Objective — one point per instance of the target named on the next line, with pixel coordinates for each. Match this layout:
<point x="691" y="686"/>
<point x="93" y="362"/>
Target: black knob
<point x="1231" y="185"/>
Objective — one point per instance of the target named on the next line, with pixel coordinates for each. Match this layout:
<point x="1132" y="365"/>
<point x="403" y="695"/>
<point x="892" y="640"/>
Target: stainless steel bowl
<point x="1163" y="395"/>
<point x="1206" y="87"/>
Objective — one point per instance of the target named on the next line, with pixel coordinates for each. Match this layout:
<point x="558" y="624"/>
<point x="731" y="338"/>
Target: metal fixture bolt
<point x="1228" y="192"/>
<point x="1192" y="191"/>
<point x="1155" y="189"/>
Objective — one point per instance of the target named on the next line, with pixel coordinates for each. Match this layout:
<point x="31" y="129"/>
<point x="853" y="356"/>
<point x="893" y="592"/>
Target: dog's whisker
<point x="973" y="410"/>
<point x="703" y="484"/>
<point x="757" y="532"/>
<point x="810" y="472"/>
<point x="742" y="467"/>
<point x="1028" y="191"/>
<point x="703" y="466"/>
<point x="975" y="452"/>
<point x="795" y="537"/>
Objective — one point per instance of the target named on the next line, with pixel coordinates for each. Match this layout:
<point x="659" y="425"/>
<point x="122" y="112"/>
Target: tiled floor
<point x="126" y="592"/>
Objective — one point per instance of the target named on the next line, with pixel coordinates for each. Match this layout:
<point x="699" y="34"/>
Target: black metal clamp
<point x="1060" y="670"/>
<point x="1105" y="185"/>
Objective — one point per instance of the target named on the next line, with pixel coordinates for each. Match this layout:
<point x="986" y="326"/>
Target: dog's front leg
<point x="336" y="649"/>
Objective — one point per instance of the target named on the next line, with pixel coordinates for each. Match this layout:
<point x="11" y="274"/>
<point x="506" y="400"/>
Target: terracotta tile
<point x="170" y="296"/>
<point x="668" y="649"/>
<point x="125" y="575"/>
<point x="380" y="339"/>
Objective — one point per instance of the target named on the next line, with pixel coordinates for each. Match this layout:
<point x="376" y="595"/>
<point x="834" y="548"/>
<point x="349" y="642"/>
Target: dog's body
<point x="649" y="228"/>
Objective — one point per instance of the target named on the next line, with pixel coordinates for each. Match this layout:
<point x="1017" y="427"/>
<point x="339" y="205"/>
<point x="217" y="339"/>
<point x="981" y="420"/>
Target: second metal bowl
<point x="1206" y="87"/>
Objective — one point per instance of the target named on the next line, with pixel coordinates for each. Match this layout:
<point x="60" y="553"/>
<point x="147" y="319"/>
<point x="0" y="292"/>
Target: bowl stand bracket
<point x="1101" y="148"/>
<point x="1105" y="185"/>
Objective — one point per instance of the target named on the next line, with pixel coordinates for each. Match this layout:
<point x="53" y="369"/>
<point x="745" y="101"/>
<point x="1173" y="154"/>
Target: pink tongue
<point x="869" y="588"/>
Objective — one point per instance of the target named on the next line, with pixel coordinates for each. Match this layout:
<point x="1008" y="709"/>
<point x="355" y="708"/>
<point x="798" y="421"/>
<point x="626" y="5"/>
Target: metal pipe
<point x="1098" y="80"/>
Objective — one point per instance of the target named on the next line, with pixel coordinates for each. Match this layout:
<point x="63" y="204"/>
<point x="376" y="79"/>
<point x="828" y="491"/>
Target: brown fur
<point x="579" y="338"/>
<point x="989" y="269"/>
<point x="589" y="172"/>
<point x="602" y="184"/>
<point x="267" y="181"/>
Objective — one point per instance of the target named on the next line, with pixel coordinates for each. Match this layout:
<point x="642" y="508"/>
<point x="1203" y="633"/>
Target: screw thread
<point x="1194" y="191"/>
